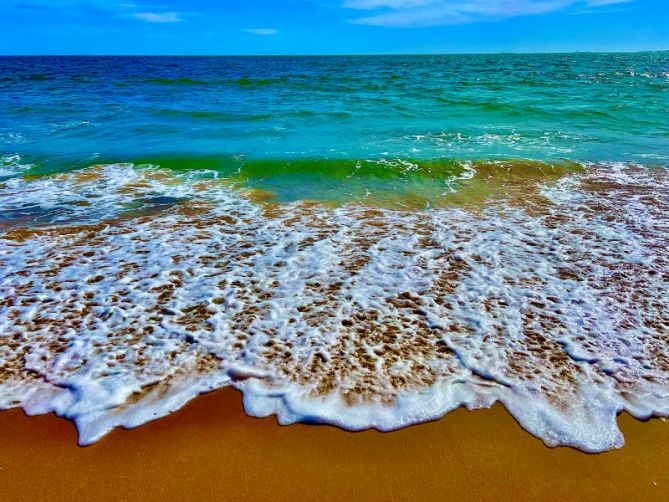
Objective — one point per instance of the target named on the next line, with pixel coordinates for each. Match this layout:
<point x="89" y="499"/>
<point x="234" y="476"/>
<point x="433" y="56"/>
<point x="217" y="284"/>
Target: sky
<point x="221" y="27"/>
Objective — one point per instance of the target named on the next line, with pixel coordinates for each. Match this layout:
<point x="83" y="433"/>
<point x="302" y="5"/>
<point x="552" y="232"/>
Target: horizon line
<point x="491" y="53"/>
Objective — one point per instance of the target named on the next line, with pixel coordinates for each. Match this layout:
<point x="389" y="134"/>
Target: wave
<point x="239" y="82"/>
<point x="550" y="298"/>
<point x="187" y="81"/>
<point x="383" y="182"/>
<point x="214" y="116"/>
<point x="13" y="165"/>
<point x="259" y="82"/>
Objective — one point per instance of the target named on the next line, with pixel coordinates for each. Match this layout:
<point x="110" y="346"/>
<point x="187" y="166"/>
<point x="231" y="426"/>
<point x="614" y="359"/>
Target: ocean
<point x="363" y="241"/>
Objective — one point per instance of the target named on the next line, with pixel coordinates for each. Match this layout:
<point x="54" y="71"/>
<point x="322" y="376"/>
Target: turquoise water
<point x="60" y="113"/>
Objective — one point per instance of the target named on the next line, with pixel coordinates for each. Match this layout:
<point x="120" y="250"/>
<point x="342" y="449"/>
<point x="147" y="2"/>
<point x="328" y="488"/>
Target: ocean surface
<point x="359" y="241"/>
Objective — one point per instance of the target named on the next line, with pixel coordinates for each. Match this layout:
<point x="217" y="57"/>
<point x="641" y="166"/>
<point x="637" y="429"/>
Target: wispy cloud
<point x="262" y="31"/>
<point x="413" y="13"/>
<point x="158" y="17"/>
<point x="603" y="3"/>
<point x="103" y="9"/>
<point x="601" y="7"/>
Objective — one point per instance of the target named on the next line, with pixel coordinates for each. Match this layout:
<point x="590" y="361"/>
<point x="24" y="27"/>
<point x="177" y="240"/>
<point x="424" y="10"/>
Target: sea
<point x="361" y="241"/>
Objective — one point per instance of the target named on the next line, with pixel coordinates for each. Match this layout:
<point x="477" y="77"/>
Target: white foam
<point x="11" y="165"/>
<point x="353" y="316"/>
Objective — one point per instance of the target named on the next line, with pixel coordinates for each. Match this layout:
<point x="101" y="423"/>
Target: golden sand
<point x="211" y="450"/>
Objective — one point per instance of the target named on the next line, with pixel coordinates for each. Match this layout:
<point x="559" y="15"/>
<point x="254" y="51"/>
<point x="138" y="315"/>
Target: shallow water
<point x="368" y="242"/>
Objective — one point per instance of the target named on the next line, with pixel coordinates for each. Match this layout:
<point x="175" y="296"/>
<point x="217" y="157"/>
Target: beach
<point x="211" y="449"/>
<point x="374" y="245"/>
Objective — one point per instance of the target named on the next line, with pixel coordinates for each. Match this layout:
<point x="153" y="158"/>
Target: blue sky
<point x="330" y="26"/>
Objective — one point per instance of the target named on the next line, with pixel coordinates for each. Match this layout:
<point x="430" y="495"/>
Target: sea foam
<point x="140" y="289"/>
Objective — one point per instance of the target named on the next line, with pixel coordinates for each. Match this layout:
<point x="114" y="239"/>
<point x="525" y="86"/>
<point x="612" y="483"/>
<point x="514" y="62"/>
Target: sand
<point x="211" y="449"/>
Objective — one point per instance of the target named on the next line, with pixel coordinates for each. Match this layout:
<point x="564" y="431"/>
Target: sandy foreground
<point x="211" y="449"/>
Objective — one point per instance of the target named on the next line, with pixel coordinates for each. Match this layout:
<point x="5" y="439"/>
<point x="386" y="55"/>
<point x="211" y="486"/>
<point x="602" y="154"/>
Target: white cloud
<point x="262" y="31"/>
<point x="158" y="17"/>
<point x="410" y="13"/>
<point x="602" y="3"/>
<point x="394" y="4"/>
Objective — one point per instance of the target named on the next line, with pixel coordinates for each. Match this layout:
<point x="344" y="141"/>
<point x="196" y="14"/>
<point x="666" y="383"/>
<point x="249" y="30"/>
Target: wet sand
<point x="211" y="449"/>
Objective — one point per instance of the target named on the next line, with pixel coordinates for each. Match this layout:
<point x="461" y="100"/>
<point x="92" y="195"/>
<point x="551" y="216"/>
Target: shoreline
<point x="210" y="449"/>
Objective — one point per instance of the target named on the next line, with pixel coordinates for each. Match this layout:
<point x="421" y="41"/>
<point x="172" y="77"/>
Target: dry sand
<point x="211" y="450"/>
